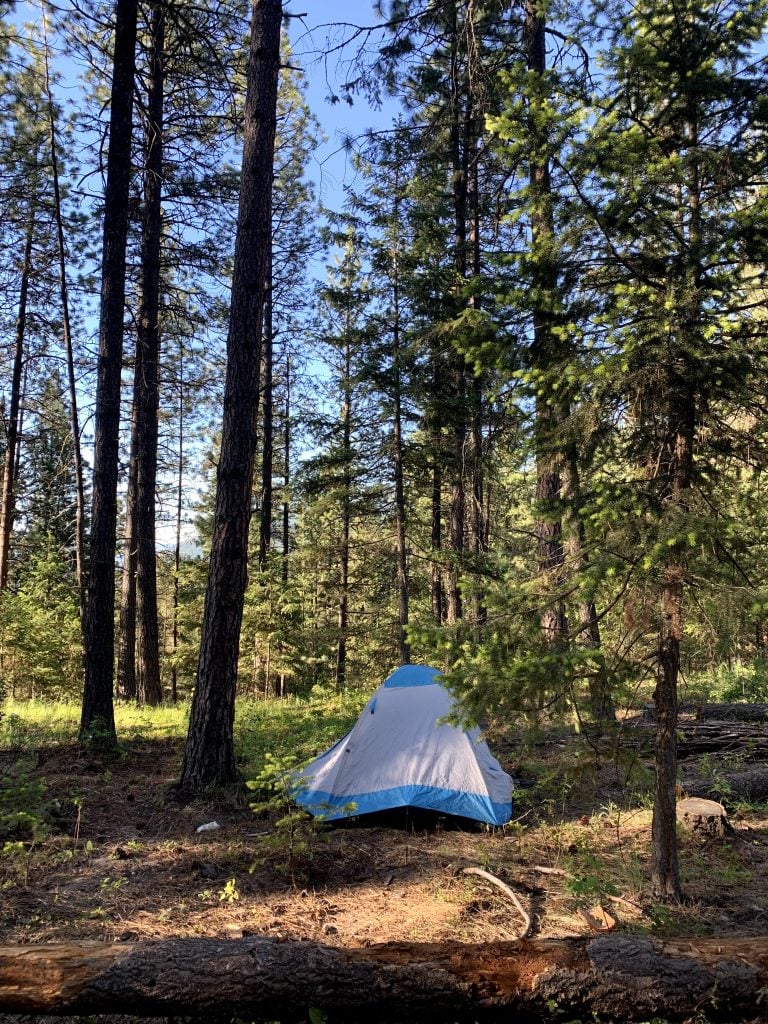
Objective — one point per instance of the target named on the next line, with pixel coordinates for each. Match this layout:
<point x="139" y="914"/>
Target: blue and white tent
<point x="398" y="755"/>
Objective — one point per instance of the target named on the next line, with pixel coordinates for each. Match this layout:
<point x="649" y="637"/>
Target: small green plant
<point x="111" y="884"/>
<point x="294" y="829"/>
<point x="23" y="806"/>
<point x="229" y="893"/>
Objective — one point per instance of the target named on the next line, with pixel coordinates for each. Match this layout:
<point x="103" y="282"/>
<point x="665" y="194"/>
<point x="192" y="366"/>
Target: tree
<point x="674" y="166"/>
<point x="146" y="389"/>
<point x="209" y="753"/>
<point x="97" y="718"/>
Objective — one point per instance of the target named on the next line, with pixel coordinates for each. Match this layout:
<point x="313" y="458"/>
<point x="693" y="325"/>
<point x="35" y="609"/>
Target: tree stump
<point x="706" y="817"/>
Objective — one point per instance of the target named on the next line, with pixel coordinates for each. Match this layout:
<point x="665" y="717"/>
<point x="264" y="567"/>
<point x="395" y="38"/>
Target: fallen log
<point x="625" y="977"/>
<point x="751" y="784"/>
<point x="704" y="737"/>
<point x="733" y="712"/>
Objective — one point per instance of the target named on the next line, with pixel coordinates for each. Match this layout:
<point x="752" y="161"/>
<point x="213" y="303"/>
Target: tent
<point x="399" y="755"/>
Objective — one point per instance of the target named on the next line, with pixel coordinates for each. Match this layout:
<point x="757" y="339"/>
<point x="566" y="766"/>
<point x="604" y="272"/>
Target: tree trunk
<point x="148" y="686"/>
<point x="346" y="513"/>
<point x="209" y="756"/>
<point x="544" y="349"/>
<point x="286" y="473"/>
<point x="97" y="720"/>
<point x="126" y="641"/>
<point x="458" y="143"/>
<point x="177" y="544"/>
<point x="401" y="555"/>
<point x="66" y="329"/>
<point x="12" y="432"/>
<point x="265" y="518"/>
<point x="587" y="633"/>
<point x="665" y="875"/>
<point x="435" y="425"/>
<point x="618" y="977"/>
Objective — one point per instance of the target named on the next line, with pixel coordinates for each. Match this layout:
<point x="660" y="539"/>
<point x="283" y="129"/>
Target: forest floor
<point x="118" y="861"/>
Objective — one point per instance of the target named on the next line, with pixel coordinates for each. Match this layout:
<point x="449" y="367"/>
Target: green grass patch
<point x="295" y="726"/>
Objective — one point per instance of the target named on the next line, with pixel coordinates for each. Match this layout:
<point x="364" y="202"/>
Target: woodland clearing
<point x="106" y="856"/>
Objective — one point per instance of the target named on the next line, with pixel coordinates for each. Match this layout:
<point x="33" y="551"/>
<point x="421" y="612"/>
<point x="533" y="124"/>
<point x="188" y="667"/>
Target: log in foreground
<point x="616" y="977"/>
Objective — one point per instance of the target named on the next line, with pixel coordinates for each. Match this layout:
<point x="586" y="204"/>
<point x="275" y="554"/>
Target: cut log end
<point x="705" y="817"/>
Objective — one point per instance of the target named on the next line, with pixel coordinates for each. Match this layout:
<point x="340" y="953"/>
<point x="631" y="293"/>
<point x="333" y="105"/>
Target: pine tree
<point x="97" y="718"/>
<point x="673" y="165"/>
<point x="209" y="753"/>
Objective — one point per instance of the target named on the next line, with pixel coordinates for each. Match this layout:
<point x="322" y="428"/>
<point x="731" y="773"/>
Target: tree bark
<point x="267" y="443"/>
<point x="66" y="330"/>
<point x="619" y="977"/>
<point x="209" y="756"/>
<point x="177" y="532"/>
<point x="126" y="641"/>
<point x="550" y="553"/>
<point x="286" y="474"/>
<point x="346" y="511"/>
<point x="458" y="145"/>
<point x="97" y="720"/>
<point x="148" y="686"/>
<point x="401" y="554"/>
<point x="12" y="431"/>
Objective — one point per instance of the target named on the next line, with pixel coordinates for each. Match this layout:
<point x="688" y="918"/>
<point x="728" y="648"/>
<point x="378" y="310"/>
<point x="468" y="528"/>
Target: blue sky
<point x="325" y="27"/>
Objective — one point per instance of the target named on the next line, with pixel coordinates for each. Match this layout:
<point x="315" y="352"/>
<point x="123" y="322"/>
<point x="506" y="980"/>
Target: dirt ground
<point x="122" y="863"/>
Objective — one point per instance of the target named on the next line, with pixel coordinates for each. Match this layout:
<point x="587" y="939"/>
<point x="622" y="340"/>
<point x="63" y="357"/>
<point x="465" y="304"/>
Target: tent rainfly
<point x="399" y="754"/>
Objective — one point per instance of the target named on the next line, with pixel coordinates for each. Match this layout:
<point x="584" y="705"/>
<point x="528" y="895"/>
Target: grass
<point x="301" y="727"/>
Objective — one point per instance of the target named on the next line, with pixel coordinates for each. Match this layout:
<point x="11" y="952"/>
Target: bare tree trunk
<point x="665" y="874"/>
<point x="209" y="757"/>
<point x="286" y="472"/>
<point x="74" y="418"/>
<point x="543" y="356"/>
<point x="126" y="643"/>
<point x="401" y="553"/>
<point x="149" y="688"/>
<point x="177" y="544"/>
<point x="267" y="443"/>
<point x="97" y="720"/>
<point x="12" y="432"/>
<point x="436" y="501"/>
<point x="346" y="512"/>
<point x="458" y="153"/>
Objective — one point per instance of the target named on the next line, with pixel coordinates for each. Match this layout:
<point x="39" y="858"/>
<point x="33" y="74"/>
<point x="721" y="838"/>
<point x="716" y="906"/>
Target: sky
<point x="325" y="27"/>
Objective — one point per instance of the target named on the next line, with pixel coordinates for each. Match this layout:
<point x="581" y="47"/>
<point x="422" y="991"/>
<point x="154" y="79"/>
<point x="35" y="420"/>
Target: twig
<point x="505" y="889"/>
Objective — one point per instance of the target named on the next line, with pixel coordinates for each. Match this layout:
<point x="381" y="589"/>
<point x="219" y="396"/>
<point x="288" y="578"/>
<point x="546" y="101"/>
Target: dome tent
<point x="398" y="754"/>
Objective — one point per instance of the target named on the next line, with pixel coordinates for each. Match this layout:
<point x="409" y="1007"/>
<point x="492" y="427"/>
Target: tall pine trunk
<point x="346" y="511"/>
<point x="458" y="138"/>
<point x="66" y="329"/>
<point x="126" y="640"/>
<point x="148" y="686"/>
<point x="97" y="720"/>
<point x="177" y="535"/>
<point x="665" y="874"/>
<point x="401" y="554"/>
<point x="548" y="416"/>
<point x="12" y="432"/>
<point x="209" y="756"/>
<point x="267" y="443"/>
<point x="286" y="474"/>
